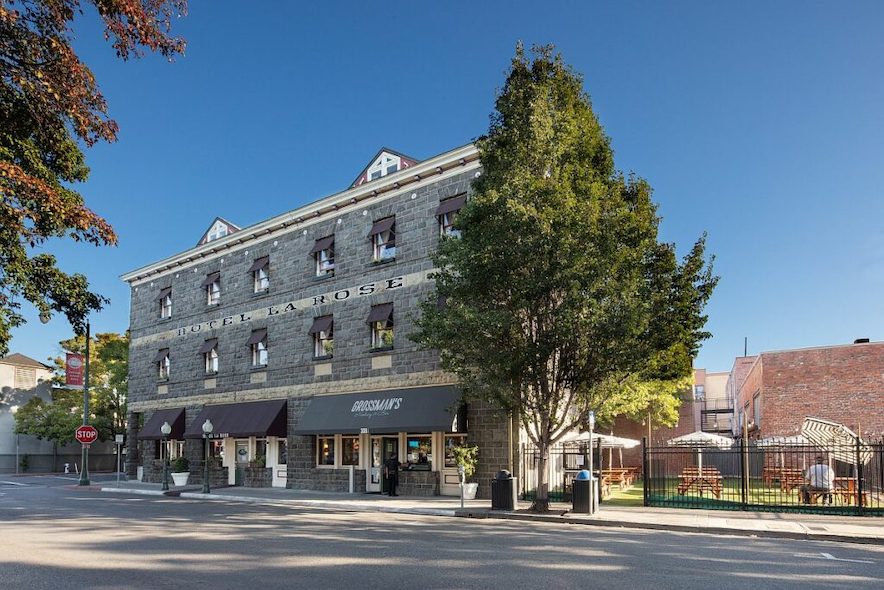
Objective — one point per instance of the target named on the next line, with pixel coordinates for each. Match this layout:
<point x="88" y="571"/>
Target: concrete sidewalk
<point x="851" y="529"/>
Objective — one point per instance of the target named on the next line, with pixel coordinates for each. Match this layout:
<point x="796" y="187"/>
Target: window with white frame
<point x="324" y="256"/>
<point x="451" y="441"/>
<point x="323" y="336"/>
<point x="260" y="270"/>
<point x="385" y="164"/>
<point x="163" y="364"/>
<point x="325" y="450"/>
<point x="381" y="321"/>
<point x="419" y="452"/>
<point x="209" y="350"/>
<point x="165" y="300"/>
<point x="383" y="239"/>
<point x="349" y="450"/>
<point x="258" y="344"/>
<point x="212" y="284"/>
<point x="447" y="215"/>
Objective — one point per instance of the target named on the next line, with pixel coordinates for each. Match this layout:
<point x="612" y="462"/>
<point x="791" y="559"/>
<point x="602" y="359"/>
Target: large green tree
<point x="559" y="296"/>
<point x="108" y="380"/>
<point x="54" y="421"/>
<point x="49" y="106"/>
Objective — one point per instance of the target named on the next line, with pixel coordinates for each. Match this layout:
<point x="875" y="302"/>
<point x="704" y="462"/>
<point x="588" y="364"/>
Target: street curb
<point x="805" y="536"/>
<point x="498" y="515"/>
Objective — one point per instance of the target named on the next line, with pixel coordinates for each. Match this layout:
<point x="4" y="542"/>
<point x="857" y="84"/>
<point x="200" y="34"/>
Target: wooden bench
<point x="622" y="476"/>
<point x="791" y="479"/>
<point x="707" y="481"/>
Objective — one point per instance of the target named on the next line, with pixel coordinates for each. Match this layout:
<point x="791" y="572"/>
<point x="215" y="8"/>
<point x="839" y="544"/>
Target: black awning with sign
<point x="151" y="428"/>
<point x="267" y="418"/>
<point x="421" y="409"/>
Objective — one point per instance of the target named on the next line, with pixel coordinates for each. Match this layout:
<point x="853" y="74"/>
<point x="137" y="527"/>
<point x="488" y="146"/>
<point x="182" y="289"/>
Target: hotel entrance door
<point x="381" y="449"/>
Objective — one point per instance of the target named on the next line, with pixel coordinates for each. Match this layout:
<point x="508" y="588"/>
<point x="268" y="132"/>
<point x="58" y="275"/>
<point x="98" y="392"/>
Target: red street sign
<point x="73" y="369"/>
<point x="86" y="435"/>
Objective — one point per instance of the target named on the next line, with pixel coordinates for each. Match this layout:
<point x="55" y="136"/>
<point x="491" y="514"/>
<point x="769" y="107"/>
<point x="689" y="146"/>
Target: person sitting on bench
<point x="820" y="480"/>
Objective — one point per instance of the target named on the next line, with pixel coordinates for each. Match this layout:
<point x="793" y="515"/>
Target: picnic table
<point x="790" y="479"/>
<point x="707" y="480"/>
<point x="623" y="476"/>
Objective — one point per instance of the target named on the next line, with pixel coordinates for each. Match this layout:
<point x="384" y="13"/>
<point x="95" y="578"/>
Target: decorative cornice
<point x="426" y="171"/>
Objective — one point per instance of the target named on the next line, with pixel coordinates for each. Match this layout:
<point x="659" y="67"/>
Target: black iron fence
<point x="565" y="461"/>
<point x="837" y="479"/>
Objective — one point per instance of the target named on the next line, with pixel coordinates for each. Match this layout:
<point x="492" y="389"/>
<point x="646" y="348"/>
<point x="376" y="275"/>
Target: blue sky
<point x="760" y="123"/>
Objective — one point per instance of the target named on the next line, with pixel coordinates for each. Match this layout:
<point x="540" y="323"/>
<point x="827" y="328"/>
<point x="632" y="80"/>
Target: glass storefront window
<point x="261" y="450"/>
<point x="451" y="441"/>
<point x="326" y="450"/>
<point x="349" y="450"/>
<point x="419" y="452"/>
<point x="282" y="456"/>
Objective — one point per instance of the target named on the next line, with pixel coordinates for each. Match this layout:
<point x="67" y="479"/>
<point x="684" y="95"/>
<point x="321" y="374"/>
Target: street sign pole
<point x="84" y="459"/>
<point x="118" y="440"/>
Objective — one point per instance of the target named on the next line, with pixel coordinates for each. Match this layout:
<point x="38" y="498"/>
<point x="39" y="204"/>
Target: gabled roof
<point x="231" y="228"/>
<point x="406" y="162"/>
<point x="21" y="360"/>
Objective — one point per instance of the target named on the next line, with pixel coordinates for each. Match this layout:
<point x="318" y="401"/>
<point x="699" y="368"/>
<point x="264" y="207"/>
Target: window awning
<point x="208" y="345"/>
<point x="418" y="410"/>
<point x="257" y="336"/>
<point x="151" y="428"/>
<point x="211" y="278"/>
<point x="161" y="355"/>
<point x="321" y="324"/>
<point x="323" y="244"/>
<point x="267" y="418"/>
<point x="381" y="225"/>
<point x="164" y="293"/>
<point x="259" y="263"/>
<point x="452" y="204"/>
<point x="380" y="313"/>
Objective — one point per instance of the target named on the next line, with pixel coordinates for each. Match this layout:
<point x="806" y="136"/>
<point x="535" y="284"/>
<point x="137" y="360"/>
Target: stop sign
<point x="86" y="435"/>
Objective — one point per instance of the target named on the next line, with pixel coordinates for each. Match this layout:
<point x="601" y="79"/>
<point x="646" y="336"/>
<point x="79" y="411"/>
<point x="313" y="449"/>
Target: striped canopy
<point x="784" y="441"/>
<point x="836" y="439"/>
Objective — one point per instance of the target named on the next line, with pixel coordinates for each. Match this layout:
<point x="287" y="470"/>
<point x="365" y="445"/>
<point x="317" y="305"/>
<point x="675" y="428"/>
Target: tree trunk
<point x="541" y="497"/>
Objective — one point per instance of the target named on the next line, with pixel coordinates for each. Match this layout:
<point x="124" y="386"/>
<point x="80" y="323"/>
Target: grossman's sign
<point x="375" y="407"/>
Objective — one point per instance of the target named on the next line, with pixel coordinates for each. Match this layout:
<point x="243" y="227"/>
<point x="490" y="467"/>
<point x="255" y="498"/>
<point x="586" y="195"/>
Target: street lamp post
<point x="593" y="486"/>
<point x="165" y="429"/>
<point x="207" y="431"/>
<point x="84" y="458"/>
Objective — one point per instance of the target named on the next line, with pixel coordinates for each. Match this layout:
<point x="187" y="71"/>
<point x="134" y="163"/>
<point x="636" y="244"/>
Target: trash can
<point x="503" y="491"/>
<point x="581" y="497"/>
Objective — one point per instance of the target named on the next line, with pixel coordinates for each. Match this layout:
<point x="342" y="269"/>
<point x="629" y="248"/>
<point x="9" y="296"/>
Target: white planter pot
<point x="469" y="491"/>
<point x="180" y="479"/>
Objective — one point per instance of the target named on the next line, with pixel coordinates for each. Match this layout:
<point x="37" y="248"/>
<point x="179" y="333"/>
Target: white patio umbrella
<point x="780" y="442"/>
<point x="837" y="439"/>
<point x="699" y="439"/>
<point x="605" y="441"/>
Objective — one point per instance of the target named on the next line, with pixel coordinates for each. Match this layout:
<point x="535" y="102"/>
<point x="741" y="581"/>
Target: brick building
<point x="291" y="337"/>
<point x="775" y="391"/>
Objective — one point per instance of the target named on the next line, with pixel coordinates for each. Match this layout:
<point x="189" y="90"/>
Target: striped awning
<point x="836" y="439"/>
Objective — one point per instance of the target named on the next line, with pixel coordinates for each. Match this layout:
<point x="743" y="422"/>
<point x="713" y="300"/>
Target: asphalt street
<point x="56" y="535"/>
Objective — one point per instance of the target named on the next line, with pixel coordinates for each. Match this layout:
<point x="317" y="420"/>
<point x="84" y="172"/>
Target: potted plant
<point x="180" y="471"/>
<point x="328" y="347"/>
<point x="466" y="456"/>
<point x="387" y="339"/>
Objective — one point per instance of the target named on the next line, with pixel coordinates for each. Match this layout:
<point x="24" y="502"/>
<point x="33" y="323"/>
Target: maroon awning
<point x="323" y="244"/>
<point x="151" y="428"/>
<point x="321" y="324"/>
<point x="162" y="354"/>
<point x="259" y="263"/>
<point x="211" y="278"/>
<point x="266" y="418"/>
<point x="382" y="225"/>
<point x="452" y="204"/>
<point x="163" y="293"/>
<point x="380" y="313"/>
<point x="208" y="345"/>
<point x="257" y="336"/>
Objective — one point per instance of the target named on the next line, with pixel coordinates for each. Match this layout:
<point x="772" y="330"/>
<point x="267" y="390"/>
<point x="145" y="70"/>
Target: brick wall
<point x="844" y="384"/>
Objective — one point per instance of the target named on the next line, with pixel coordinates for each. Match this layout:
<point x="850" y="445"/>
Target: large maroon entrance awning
<point x="267" y="418"/>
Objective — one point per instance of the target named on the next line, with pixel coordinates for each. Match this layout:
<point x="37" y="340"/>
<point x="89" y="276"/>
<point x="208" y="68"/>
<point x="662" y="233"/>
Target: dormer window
<point x="212" y="285"/>
<point x="324" y="254"/>
<point x="384" y="163"/>
<point x="220" y="228"/>
<point x="217" y="233"/>
<point x="165" y="300"/>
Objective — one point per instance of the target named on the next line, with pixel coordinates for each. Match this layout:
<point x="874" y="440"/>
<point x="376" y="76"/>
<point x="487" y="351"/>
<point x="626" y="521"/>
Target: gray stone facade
<point x="295" y="297"/>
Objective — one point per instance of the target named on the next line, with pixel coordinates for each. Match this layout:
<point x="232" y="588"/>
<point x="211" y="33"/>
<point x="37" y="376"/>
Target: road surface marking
<point x="830" y="557"/>
<point x="13" y="483"/>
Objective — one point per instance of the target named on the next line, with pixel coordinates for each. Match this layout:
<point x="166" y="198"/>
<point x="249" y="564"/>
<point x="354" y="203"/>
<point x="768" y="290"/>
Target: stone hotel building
<point x="291" y="337"/>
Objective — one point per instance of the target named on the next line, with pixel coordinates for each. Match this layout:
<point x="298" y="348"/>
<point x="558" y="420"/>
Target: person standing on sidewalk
<point x="391" y="469"/>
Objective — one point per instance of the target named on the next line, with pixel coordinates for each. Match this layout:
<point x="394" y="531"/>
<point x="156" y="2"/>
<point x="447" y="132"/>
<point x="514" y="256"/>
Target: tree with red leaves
<point x="50" y="105"/>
